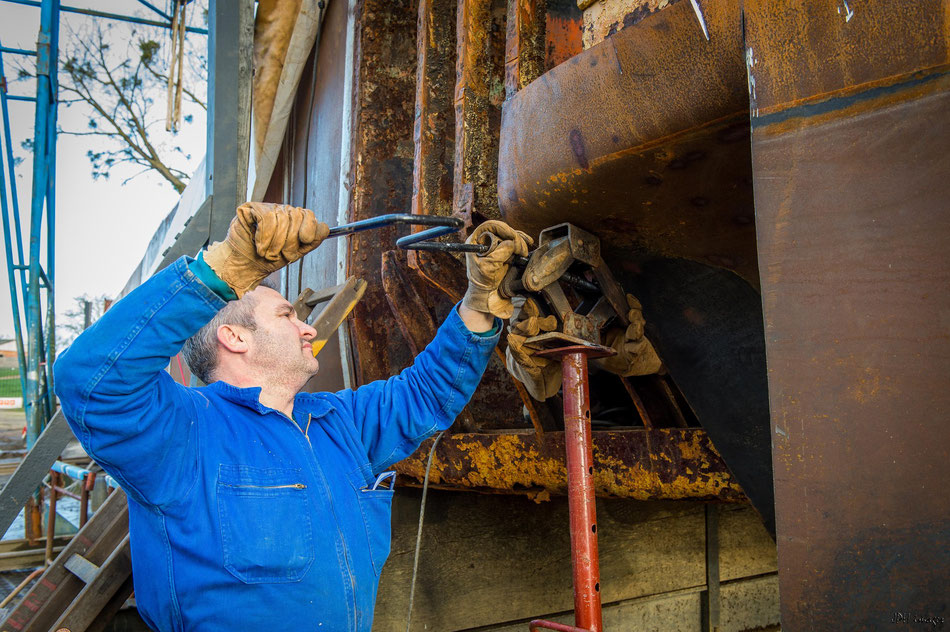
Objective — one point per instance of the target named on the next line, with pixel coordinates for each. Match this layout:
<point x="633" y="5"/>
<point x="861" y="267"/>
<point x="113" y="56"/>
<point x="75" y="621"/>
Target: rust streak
<point x="667" y="463"/>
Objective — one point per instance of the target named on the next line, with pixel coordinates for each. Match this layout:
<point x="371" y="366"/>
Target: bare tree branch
<point x="120" y="90"/>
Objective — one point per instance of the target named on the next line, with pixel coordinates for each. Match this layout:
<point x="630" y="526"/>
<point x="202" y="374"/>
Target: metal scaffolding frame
<point x="36" y="279"/>
<point x="31" y="279"/>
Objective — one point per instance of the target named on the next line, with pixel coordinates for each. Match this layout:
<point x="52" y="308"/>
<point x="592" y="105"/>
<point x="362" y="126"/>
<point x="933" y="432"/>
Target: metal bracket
<point x="562" y="248"/>
<point x="340" y="299"/>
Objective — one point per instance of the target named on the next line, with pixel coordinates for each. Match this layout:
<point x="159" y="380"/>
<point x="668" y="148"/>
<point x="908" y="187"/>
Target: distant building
<point x="8" y="349"/>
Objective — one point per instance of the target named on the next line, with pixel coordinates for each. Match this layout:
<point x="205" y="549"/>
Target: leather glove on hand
<point x="486" y="271"/>
<point x="540" y="376"/>
<point x="263" y="238"/>
<point x="635" y="354"/>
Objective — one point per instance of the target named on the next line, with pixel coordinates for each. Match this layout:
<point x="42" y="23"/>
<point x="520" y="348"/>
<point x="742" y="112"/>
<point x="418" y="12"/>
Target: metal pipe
<point x="72" y="471"/>
<point x="55" y="479"/>
<point x="155" y="9"/>
<point x="395" y="218"/>
<point x="18" y="97"/>
<point x="31" y="521"/>
<point x="62" y="491"/>
<point x="16" y="591"/>
<point x="50" y="272"/>
<point x="12" y="172"/>
<point x="441" y="226"/>
<point x="18" y="51"/>
<point x="110" y="16"/>
<point x="87" y="487"/>
<point x="8" y="244"/>
<point x="580" y="492"/>
<point x="44" y="66"/>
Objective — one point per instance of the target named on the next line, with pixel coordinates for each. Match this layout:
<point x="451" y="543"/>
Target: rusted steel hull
<point x="382" y="162"/>
<point x="399" y="98"/>
<point x="563" y="32"/>
<point x="643" y="140"/>
<point x="394" y="173"/>
<point x="479" y="90"/>
<point x="433" y="129"/>
<point x="659" y="464"/>
<point x="851" y="126"/>
<point x="524" y="43"/>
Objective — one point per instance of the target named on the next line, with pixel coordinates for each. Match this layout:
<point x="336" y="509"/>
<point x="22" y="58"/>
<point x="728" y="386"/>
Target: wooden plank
<point x="58" y="587"/>
<point x="113" y="574"/>
<point x="51" y="442"/>
<point x="740" y="529"/>
<point x="25" y="558"/>
<point x="335" y="312"/>
<point x="111" y="609"/>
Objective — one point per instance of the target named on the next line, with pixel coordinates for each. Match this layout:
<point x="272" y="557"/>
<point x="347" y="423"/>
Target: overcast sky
<point x="102" y="226"/>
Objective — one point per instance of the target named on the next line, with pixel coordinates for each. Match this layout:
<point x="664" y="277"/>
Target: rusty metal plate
<point x="479" y="91"/>
<point x="563" y="32"/>
<point x="604" y="18"/>
<point x="851" y="196"/>
<point x="706" y="326"/>
<point x="382" y="175"/>
<point x="643" y="140"/>
<point x="667" y="463"/>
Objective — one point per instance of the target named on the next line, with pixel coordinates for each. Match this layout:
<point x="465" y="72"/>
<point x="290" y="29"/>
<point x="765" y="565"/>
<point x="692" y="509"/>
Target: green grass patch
<point x="10" y="382"/>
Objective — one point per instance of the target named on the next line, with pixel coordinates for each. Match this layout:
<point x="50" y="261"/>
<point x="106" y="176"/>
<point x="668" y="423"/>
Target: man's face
<point x="280" y="346"/>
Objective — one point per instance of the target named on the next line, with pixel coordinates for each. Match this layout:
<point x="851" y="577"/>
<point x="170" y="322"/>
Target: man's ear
<point x="234" y="338"/>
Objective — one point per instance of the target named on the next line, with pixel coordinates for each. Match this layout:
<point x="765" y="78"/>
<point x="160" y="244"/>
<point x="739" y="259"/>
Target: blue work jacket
<point x="240" y="518"/>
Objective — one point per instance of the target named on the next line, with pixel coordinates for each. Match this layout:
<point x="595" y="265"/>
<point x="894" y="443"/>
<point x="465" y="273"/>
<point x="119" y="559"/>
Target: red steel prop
<point x="580" y="488"/>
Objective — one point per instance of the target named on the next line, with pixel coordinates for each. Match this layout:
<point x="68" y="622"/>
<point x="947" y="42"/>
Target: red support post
<point x="585" y="562"/>
<point x="580" y="493"/>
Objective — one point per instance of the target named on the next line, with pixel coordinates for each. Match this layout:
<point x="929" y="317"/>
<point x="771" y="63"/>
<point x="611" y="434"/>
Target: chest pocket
<point x="266" y="530"/>
<point x="376" y="509"/>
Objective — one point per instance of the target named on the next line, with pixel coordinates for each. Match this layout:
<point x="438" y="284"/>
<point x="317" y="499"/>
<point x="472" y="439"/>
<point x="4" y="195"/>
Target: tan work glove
<point x="540" y="376"/>
<point x="635" y="354"/>
<point x="486" y="271"/>
<point x="263" y="238"/>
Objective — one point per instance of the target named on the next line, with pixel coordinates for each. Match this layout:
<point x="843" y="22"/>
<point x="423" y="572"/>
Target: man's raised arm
<point x="123" y="407"/>
<point x="394" y="416"/>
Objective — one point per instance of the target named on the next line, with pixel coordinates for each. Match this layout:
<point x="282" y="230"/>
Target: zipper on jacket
<point x="291" y="486"/>
<point x="336" y="520"/>
<point x="306" y="431"/>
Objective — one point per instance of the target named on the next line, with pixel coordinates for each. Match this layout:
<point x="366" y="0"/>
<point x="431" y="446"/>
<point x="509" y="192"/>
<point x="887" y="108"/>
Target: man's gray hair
<point x="201" y="350"/>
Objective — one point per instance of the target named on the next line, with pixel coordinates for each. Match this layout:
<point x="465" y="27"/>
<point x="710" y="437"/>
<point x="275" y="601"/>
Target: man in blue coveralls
<point x="252" y="506"/>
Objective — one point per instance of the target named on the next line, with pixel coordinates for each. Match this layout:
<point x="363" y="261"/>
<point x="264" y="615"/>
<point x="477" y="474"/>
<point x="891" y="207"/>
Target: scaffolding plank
<point x="58" y="591"/>
<point x="113" y="575"/>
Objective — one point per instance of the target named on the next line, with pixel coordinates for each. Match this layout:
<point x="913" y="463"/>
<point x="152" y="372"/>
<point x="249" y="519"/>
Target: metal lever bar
<point x="441" y="226"/>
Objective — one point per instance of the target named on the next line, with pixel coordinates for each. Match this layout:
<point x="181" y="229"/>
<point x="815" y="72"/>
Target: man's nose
<point x="306" y="331"/>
